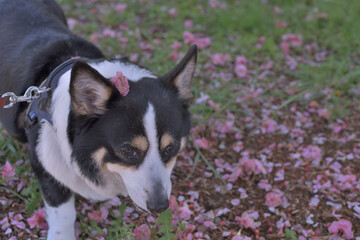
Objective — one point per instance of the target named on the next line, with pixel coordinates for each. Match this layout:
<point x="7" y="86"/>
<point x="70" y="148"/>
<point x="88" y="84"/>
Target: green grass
<point x="235" y="30"/>
<point x="9" y="150"/>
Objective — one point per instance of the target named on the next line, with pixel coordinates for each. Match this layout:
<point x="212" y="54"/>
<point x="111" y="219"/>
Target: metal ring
<point x="12" y="98"/>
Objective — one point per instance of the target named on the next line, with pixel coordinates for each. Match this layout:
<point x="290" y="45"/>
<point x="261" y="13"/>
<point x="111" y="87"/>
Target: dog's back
<point x="34" y="39"/>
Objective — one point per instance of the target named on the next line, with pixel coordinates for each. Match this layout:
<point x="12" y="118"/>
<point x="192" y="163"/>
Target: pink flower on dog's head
<point x="121" y="83"/>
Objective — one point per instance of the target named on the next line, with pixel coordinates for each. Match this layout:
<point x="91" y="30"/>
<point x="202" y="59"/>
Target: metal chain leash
<point x="31" y="93"/>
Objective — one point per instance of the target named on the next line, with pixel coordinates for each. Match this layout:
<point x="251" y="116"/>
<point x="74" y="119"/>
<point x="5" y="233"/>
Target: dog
<point x="86" y="135"/>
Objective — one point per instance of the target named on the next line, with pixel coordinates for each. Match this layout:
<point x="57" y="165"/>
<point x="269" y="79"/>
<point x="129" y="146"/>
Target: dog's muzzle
<point x="158" y="201"/>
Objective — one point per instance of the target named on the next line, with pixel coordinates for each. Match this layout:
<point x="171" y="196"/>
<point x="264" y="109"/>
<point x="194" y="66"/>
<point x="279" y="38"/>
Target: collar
<point x="39" y="108"/>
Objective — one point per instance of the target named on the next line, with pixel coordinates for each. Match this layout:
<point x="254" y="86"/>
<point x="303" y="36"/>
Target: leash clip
<point x="30" y="94"/>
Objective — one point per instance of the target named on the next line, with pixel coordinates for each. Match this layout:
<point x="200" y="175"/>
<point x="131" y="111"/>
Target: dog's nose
<point x="157" y="205"/>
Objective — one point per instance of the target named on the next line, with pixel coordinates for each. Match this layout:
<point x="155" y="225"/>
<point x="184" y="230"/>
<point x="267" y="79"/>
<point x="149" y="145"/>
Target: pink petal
<point x="120" y="7"/>
<point x="18" y="224"/>
<point x="252" y="166"/>
<point x="269" y="126"/>
<point x="108" y="33"/>
<point x="8" y="171"/>
<point x="240" y="70"/>
<point x="188" y="37"/>
<point x="293" y="39"/>
<point x="202" y="143"/>
<point x="174" y="56"/>
<point x="173" y="12"/>
<point x="247" y="221"/>
<point x="324" y="113"/>
<point x="238" y="237"/>
<point x="313" y="153"/>
<point x="342" y="226"/>
<point x="220" y="59"/>
<point x="281" y="24"/>
<point x="38" y="219"/>
<point x="176" y="45"/>
<point x="184" y="213"/>
<point x="203" y="97"/>
<point x="214" y="105"/>
<point x="104" y="213"/>
<point x="235" y="202"/>
<point x="273" y="199"/>
<point x="142" y="232"/>
<point x="95" y="215"/>
<point x="188" y="23"/>
<point x="203" y="42"/>
<point x="241" y="60"/>
<point x="285" y="47"/>
<point x="72" y="22"/>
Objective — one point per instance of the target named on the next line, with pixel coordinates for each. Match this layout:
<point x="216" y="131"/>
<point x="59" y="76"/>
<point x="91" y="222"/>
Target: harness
<point x="39" y="108"/>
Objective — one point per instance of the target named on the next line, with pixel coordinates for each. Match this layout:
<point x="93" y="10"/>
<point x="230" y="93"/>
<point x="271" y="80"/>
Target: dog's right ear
<point x="89" y="90"/>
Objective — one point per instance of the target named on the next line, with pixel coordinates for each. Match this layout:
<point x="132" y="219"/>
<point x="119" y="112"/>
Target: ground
<point x="275" y="146"/>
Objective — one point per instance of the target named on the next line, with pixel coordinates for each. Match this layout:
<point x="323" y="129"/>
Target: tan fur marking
<point x="104" y="95"/>
<point x="141" y="143"/>
<point x="115" y="167"/>
<point x="183" y="80"/>
<point x="99" y="155"/>
<point x="171" y="163"/>
<point x="166" y="140"/>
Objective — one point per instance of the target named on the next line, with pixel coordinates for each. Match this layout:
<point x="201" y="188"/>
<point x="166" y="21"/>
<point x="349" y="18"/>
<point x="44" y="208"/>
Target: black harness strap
<point x="40" y="107"/>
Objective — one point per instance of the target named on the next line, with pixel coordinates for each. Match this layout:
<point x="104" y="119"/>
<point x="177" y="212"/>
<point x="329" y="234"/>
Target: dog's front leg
<point x="61" y="220"/>
<point x="59" y="200"/>
<point x="60" y="208"/>
<point x="59" y="203"/>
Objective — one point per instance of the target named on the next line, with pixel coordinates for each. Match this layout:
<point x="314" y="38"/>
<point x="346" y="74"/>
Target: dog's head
<point x="137" y="136"/>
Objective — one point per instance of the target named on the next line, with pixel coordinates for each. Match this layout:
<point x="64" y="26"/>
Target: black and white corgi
<point x="86" y="136"/>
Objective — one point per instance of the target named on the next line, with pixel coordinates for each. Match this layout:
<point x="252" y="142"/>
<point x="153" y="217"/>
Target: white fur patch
<point x="61" y="220"/>
<point x="131" y="71"/>
<point x="153" y="166"/>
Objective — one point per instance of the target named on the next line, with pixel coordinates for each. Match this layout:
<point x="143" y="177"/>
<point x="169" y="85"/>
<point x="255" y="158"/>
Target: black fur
<point x="34" y="39"/>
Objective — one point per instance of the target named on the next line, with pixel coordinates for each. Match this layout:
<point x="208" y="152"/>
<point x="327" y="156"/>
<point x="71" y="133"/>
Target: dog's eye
<point x="169" y="152"/>
<point x="129" y="152"/>
<point x="169" y="149"/>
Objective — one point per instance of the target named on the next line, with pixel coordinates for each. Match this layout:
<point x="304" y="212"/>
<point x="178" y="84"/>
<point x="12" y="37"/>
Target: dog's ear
<point x="180" y="77"/>
<point x="89" y="90"/>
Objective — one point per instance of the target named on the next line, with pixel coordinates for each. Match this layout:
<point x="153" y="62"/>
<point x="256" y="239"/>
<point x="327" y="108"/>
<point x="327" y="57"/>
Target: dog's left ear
<point x="89" y="90"/>
<point x="180" y="77"/>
